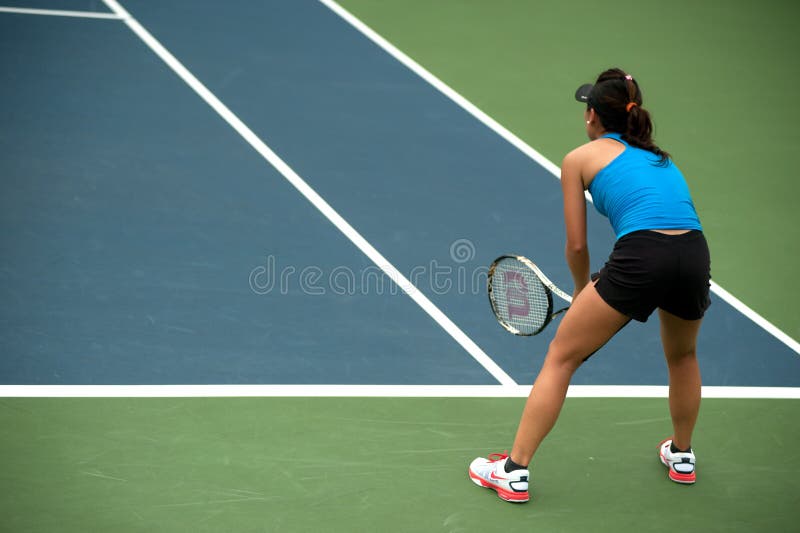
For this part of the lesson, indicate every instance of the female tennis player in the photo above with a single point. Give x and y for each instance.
(660, 261)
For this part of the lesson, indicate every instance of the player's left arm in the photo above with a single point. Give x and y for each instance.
(576, 248)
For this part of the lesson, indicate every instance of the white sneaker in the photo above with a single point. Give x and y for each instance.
(680, 464)
(491, 473)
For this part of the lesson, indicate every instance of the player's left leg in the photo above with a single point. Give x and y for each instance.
(588, 325)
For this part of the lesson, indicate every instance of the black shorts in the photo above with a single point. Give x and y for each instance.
(649, 270)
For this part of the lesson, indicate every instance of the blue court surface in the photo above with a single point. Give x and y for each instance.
(146, 242)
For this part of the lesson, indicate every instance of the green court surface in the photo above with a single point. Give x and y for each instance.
(716, 76)
(346, 464)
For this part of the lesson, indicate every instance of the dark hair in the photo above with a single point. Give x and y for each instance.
(611, 99)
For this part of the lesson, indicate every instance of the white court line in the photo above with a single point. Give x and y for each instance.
(522, 146)
(60, 13)
(373, 391)
(311, 195)
(755, 317)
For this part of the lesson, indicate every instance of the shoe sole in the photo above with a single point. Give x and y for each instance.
(513, 497)
(677, 477)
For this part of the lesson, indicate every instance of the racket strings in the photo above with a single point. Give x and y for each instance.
(520, 299)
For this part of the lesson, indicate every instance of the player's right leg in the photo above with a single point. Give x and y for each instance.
(679, 338)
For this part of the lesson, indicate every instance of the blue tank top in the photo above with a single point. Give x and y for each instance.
(635, 193)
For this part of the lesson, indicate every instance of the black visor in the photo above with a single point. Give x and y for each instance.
(582, 94)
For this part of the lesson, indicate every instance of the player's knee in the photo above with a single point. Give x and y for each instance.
(683, 355)
(564, 355)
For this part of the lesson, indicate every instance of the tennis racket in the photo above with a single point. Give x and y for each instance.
(522, 296)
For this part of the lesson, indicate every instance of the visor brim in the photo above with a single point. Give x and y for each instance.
(582, 94)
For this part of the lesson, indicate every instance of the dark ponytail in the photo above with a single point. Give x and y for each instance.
(617, 100)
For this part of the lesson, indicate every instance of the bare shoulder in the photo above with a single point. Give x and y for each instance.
(579, 154)
(588, 159)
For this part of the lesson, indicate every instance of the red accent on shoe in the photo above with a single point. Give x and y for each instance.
(682, 478)
(507, 495)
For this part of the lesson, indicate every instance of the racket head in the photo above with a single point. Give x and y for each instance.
(520, 301)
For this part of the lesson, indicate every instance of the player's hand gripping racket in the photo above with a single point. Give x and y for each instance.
(522, 296)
